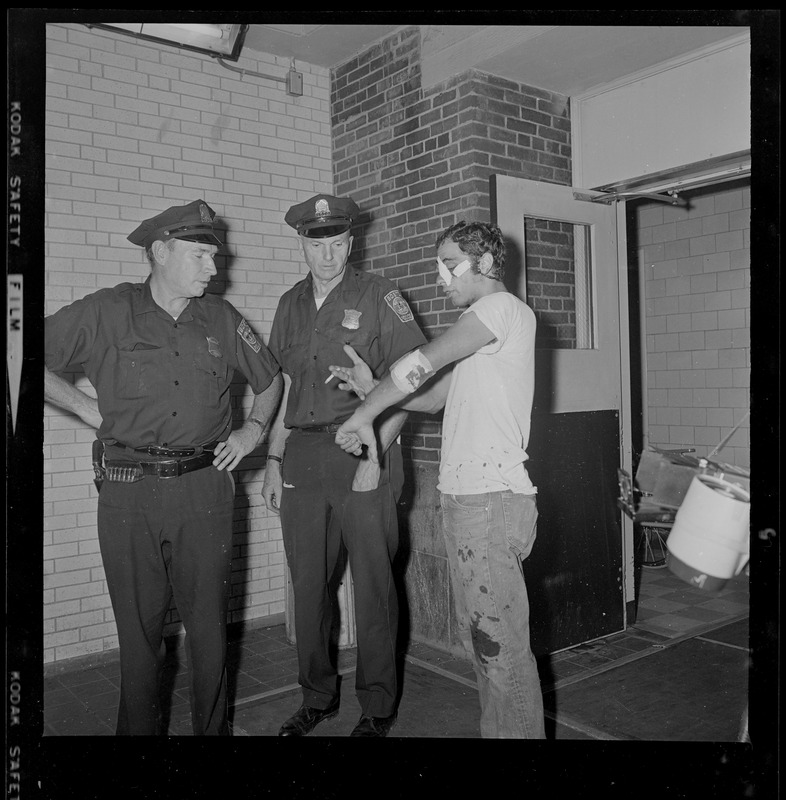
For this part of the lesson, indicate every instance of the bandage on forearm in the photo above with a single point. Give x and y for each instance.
(411, 371)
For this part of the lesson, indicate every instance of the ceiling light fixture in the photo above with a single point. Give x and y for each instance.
(217, 41)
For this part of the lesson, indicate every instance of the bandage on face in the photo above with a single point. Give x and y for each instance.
(447, 275)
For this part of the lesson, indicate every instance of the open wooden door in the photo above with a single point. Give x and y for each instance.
(562, 260)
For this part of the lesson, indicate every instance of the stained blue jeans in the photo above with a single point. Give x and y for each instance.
(488, 536)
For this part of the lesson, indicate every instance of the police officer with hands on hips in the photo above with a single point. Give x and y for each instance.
(324, 495)
(161, 356)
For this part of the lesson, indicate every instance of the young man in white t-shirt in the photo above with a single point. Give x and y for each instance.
(488, 501)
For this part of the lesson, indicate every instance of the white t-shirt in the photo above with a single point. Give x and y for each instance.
(485, 429)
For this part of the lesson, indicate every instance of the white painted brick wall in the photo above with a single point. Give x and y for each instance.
(696, 269)
(132, 129)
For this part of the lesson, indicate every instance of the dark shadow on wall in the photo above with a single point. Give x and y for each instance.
(514, 266)
(544, 358)
(222, 282)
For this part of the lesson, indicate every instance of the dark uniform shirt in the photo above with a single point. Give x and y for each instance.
(366, 311)
(159, 380)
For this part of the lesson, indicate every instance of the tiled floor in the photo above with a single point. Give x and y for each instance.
(669, 607)
(263, 665)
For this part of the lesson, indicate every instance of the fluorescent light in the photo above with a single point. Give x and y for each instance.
(225, 41)
(214, 31)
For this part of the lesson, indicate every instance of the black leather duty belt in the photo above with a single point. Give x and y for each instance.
(132, 471)
(332, 428)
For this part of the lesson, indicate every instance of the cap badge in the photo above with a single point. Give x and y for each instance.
(204, 213)
(351, 319)
(322, 209)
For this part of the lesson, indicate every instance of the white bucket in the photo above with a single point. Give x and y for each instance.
(710, 539)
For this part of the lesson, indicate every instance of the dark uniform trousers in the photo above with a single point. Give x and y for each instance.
(159, 537)
(318, 509)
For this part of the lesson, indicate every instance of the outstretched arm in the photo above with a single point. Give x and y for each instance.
(360, 380)
(464, 338)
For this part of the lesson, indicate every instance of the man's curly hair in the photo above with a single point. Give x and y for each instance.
(475, 239)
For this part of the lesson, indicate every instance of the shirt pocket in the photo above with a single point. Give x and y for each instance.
(212, 377)
(362, 341)
(294, 358)
(139, 372)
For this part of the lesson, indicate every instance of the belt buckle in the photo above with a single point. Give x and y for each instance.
(169, 469)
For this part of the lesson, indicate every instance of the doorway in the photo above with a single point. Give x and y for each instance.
(672, 371)
(689, 277)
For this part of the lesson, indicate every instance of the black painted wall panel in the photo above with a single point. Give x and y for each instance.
(574, 574)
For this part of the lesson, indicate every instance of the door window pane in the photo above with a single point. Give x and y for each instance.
(557, 283)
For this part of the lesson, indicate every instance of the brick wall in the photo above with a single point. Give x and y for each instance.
(551, 282)
(132, 129)
(417, 161)
(696, 272)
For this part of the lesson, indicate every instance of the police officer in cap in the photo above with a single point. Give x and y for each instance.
(324, 496)
(161, 357)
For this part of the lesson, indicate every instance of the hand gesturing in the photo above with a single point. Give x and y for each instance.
(358, 378)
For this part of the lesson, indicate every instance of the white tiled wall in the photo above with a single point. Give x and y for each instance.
(131, 130)
(696, 271)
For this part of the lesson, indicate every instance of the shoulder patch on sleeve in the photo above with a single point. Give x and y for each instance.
(399, 305)
(244, 329)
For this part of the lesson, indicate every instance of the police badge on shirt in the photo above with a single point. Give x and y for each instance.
(351, 319)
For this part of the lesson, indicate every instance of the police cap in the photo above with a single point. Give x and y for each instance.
(322, 215)
(193, 221)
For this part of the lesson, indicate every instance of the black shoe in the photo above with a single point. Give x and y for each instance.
(374, 726)
(306, 718)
